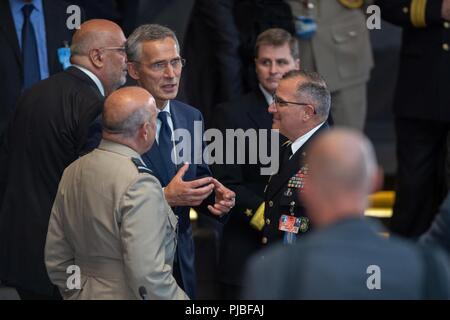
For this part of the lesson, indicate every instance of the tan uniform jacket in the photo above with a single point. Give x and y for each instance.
(111, 219)
(340, 50)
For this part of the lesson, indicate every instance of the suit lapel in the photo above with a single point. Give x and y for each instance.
(8, 29)
(153, 160)
(289, 169)
(258, 113)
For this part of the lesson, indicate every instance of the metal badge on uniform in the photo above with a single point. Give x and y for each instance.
(305, 27)
(288, 192)
(304, 224)
(289, 224)
(64, 55)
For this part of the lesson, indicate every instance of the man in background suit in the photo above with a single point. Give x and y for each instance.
(300, 111)
(47, 19)
(276, 52)
(128, 254)
(154, 62)
(47, 133)
(339, 49)
(421, 110)
(344, 257)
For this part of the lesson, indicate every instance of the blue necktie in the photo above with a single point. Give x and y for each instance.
(31, 71)
(165, 145)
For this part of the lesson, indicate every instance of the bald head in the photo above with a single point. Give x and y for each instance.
(99, 46)
(343, 172)
(344, 159)
(126, 114)
(95, 33)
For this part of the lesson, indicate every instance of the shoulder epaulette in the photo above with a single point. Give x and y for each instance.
(140, 166)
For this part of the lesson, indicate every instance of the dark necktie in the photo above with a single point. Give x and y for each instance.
(31, 72)
(165, 145)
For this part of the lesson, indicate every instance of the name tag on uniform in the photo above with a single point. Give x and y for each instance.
(289, 224)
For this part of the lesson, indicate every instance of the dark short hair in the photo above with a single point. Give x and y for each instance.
(315, 88)
(277, 37)
(144, 33)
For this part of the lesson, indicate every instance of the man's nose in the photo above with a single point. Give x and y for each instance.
(169, 71)
(272, 108)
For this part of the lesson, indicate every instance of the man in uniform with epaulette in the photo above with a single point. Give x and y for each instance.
(300, 111)
(110, 218)
(421, 111)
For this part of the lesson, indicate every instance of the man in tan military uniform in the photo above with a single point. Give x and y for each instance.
(110, 217)
(340, 51)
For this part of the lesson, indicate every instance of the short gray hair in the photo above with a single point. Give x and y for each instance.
(147, 32)
(127, 127)
(315, 88)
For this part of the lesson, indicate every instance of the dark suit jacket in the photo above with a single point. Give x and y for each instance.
(46, 134)
(277, 198)
(212, 72)
(11, 58)
(183, 117)
(332, 263)
(423, 80)
(246, 112)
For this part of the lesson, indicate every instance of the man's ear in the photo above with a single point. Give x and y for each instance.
(309, 112)
(377, 180)
(132, 70)
(96, 58)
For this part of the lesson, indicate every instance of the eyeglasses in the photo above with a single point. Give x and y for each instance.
(160, 66)
(120, 49)
(281, 103)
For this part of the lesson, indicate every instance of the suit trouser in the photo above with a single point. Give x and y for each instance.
(349, 106)
(421, 153)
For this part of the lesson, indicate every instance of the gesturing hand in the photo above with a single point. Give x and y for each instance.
(187, 193)
(225, 199)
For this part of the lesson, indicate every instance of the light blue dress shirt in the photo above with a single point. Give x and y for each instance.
(38, 21)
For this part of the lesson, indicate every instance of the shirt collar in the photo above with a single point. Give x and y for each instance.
(297, 144)
(118, 148)
(94, 78)
(17, 5)
(267, 95)
(167, 108)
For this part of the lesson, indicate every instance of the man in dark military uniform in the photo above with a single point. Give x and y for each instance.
(276, 53)
(421, 108)
(300, 111)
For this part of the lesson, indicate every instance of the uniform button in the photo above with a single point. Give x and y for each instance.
(445, 46)
(267, 221)
(405, 10)
(310, 5)
(264, 240)
(446, 25)
(351, 34)
(292, 203)
(271, 203)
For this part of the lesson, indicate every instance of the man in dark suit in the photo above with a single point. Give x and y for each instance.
(345, 257)
(300, 110)
(48, 20)
(155, 63)
(421, 109)
(47, 133)
(276, 53)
